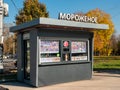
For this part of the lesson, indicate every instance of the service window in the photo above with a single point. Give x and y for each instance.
(55, 51)
(79, 50)
(49, 51)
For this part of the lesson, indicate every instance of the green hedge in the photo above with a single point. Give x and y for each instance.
(106, 57)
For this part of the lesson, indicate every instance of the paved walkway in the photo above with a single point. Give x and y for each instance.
(100, 81)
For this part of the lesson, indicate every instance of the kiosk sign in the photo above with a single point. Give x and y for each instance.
(78, 18)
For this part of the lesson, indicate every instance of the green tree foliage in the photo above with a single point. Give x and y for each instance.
(32, 9)
(102, 37)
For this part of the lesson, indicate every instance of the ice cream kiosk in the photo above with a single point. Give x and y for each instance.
(52, 51)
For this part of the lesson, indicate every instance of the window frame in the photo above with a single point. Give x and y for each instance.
(40, 61)
(60, 46)
(87, 49)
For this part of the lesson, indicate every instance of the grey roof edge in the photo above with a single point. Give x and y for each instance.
(56, 22)
(72, 23)
(25, 25)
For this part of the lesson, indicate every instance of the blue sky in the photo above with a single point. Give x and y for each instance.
(111, 7)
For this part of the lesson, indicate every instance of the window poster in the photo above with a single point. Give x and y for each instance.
(49, 46)
(49, 51)
(77, 58)
(50, 59)
(78, 47)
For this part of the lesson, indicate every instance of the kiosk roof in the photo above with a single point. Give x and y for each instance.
(55, 23)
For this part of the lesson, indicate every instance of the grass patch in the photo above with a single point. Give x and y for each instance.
(112, 62)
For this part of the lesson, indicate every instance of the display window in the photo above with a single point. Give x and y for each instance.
(79, 50)
(79, 47)
(63, 50)
(49, 51)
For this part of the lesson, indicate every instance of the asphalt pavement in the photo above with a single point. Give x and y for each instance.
(100, 81)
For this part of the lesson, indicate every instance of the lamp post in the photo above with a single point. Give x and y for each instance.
(1, 21)
(3, 13)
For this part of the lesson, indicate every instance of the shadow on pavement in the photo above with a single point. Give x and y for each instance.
(108, 76)
(111, 72)
(3, 88)
(17, 84)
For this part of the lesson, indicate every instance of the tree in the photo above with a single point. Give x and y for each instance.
(32, 9)
(8, 40)
(8, 45)
(102, 37)
(118, 45)
(114, 43)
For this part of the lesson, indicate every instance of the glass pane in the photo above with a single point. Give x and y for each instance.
(79, 47)
(49, 51)
(79, 50)
(27, 59)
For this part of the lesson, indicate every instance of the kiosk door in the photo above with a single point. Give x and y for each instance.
(26, 59)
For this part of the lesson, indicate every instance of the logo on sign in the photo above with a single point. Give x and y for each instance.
(66, 44)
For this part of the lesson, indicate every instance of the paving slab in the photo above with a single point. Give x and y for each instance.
(100, 81)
